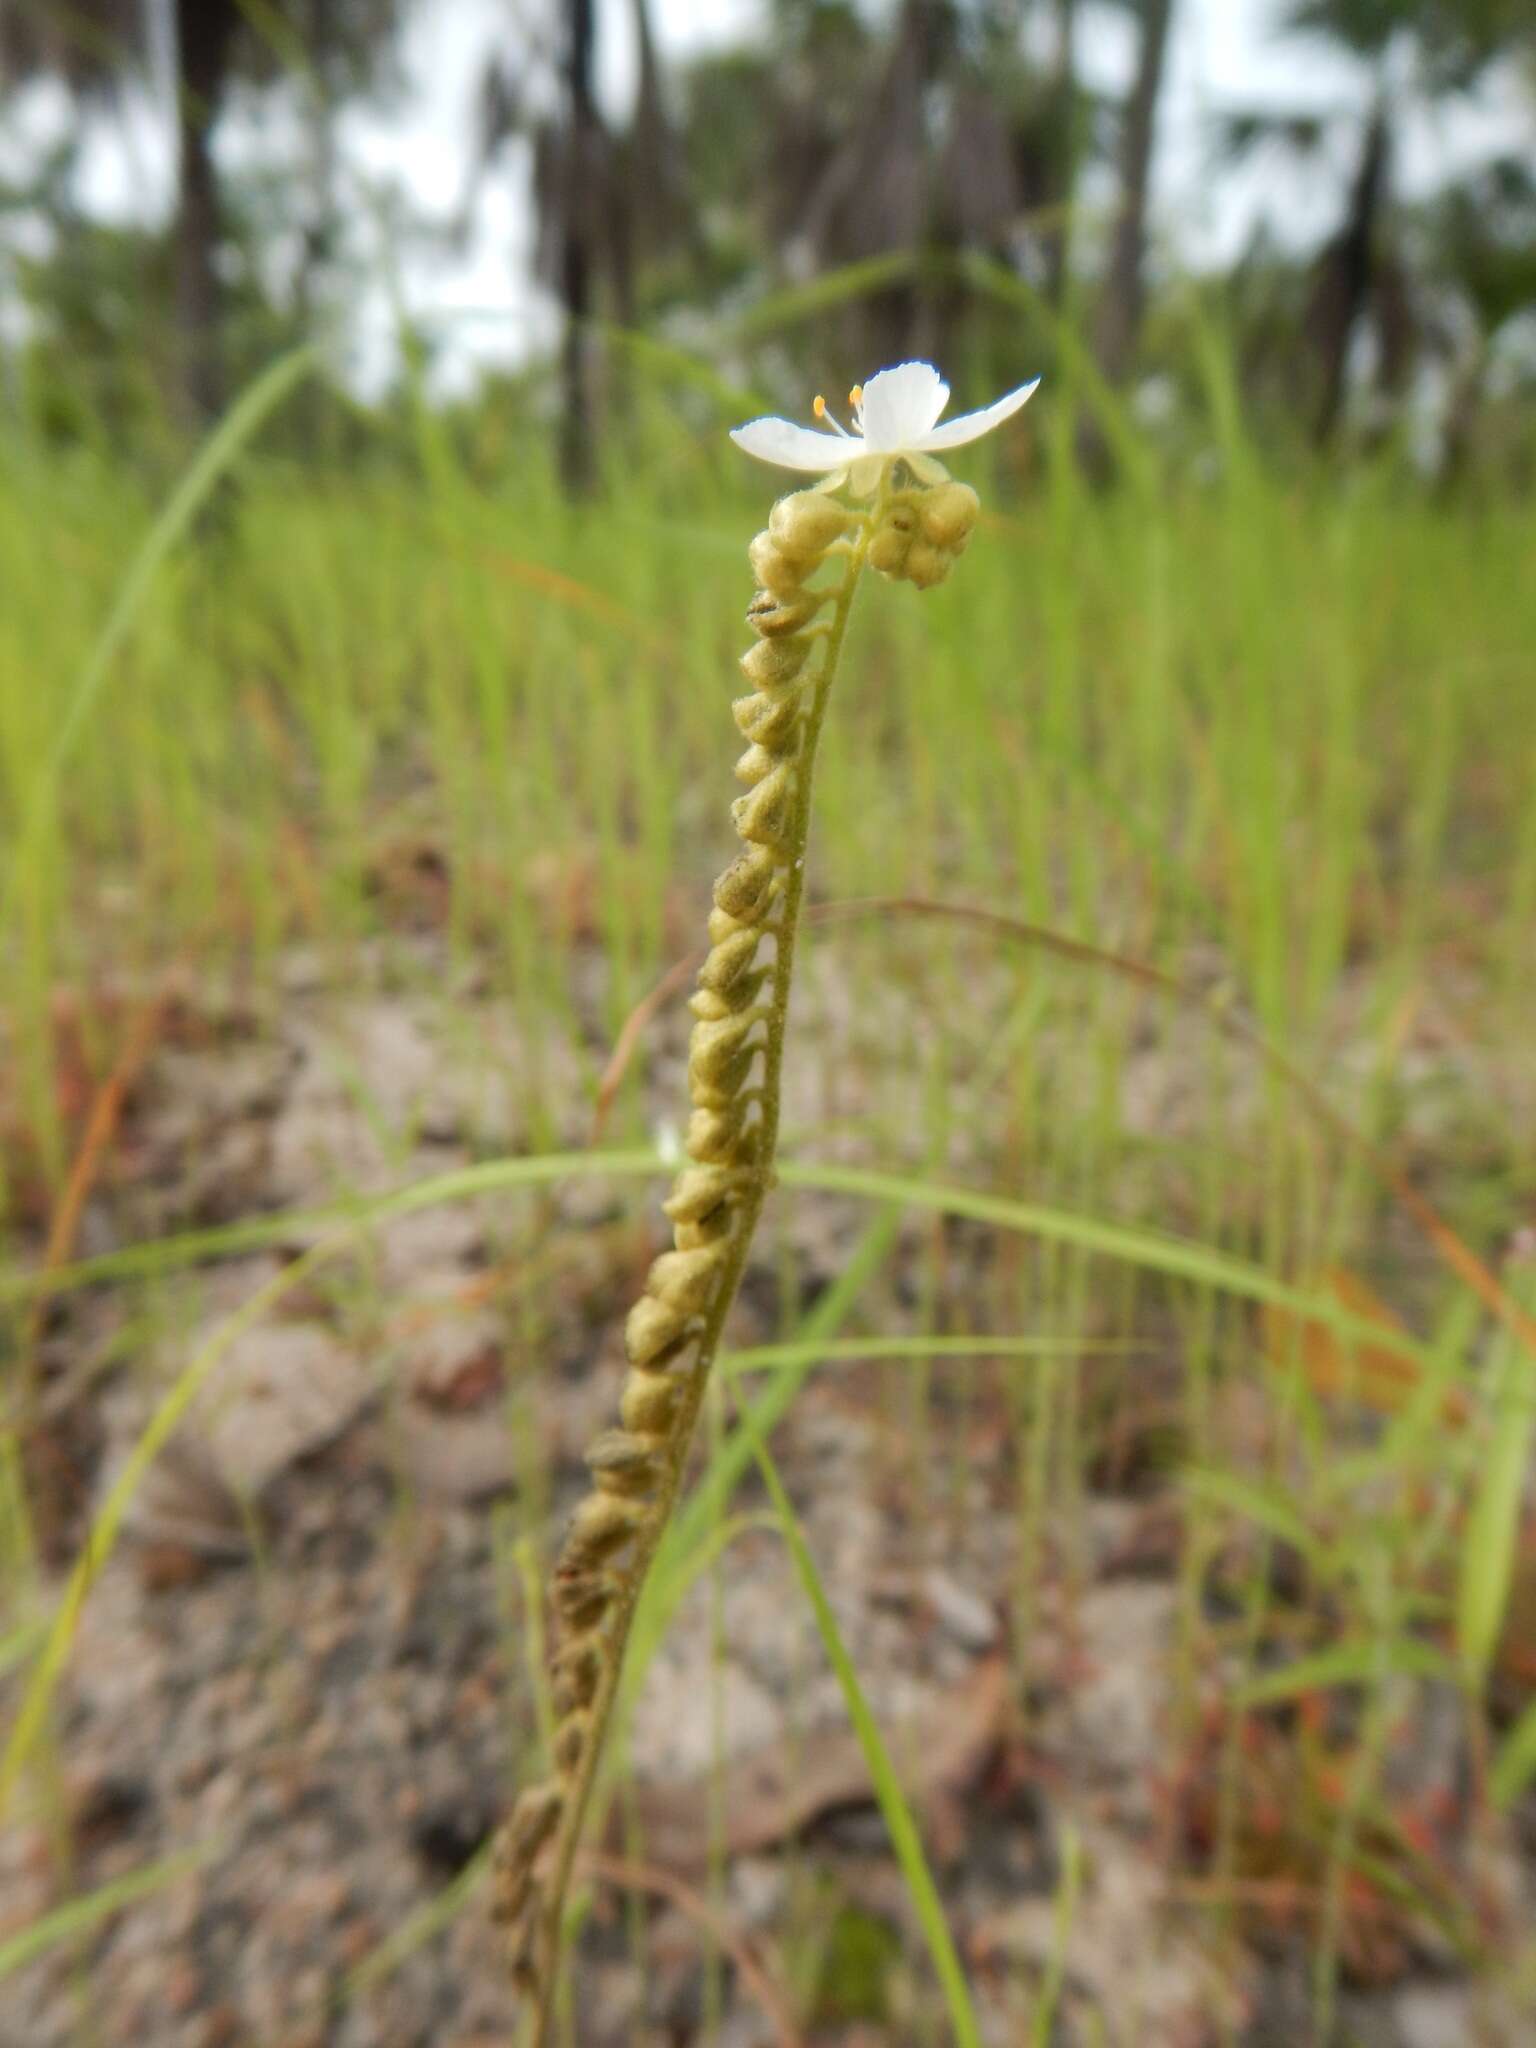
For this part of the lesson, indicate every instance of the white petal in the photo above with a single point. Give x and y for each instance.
(901, 405)
(792, 446)
(972, 425)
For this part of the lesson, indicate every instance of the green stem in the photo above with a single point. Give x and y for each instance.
(759, 1179)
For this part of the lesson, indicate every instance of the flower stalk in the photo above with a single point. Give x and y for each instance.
(674, 1331)
(890, 507)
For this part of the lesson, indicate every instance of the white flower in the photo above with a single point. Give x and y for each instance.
(895, 413)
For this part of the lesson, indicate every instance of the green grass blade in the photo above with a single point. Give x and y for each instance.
(78, 1916)
(1347, 1664)
(1262, 1505)
(709, 1498)
(906, 1839)
(915, 1350)
(1491, 1539)
(1174, 1258)
(1515, 1765)
(211, 462)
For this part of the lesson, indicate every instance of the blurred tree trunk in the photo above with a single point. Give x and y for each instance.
(1058, 244)
(1124, 293)
(1347, 275)
(578, 464)
(205, 32)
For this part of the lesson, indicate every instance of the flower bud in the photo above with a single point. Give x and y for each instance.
(807, 522)
(948, 514)
(926, 565)
(892, 540)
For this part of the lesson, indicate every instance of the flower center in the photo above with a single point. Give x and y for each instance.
(824, 412)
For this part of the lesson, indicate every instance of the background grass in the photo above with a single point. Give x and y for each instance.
(1267, 727)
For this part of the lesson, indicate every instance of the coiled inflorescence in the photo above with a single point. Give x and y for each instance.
(672, 1330)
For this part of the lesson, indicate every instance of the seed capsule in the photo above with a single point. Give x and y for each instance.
(654, 1332)
(716, 1079)
(581, 1596)
(623, 1463)
(686, 1279)
(601, 1527)
(773, 615)
(713, 1006)
(763, 815)
(520, 1966)
(774, 664)
(729, 960)
(700, 1192)
(713, 1135)
(767, 720)
(648, 1405)
(718, 1223)
(578, 1674)
(743, 890)
(534, 1819)
(569, 1745)
(775, 569)
(718, 1054)
(509, 1901)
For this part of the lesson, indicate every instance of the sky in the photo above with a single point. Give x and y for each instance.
(478, 295)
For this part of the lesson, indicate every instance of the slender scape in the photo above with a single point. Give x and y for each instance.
(916, 525)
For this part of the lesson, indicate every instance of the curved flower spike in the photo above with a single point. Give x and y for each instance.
(895, 414)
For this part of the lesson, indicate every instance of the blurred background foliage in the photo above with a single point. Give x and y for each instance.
(893, 147)
(421, 675)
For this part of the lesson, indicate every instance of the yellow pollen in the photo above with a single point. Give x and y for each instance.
(856, 395)
(819, 406)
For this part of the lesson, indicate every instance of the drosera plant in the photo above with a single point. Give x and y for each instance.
(883, 502)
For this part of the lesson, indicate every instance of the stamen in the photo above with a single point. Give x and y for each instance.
(824, 412)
